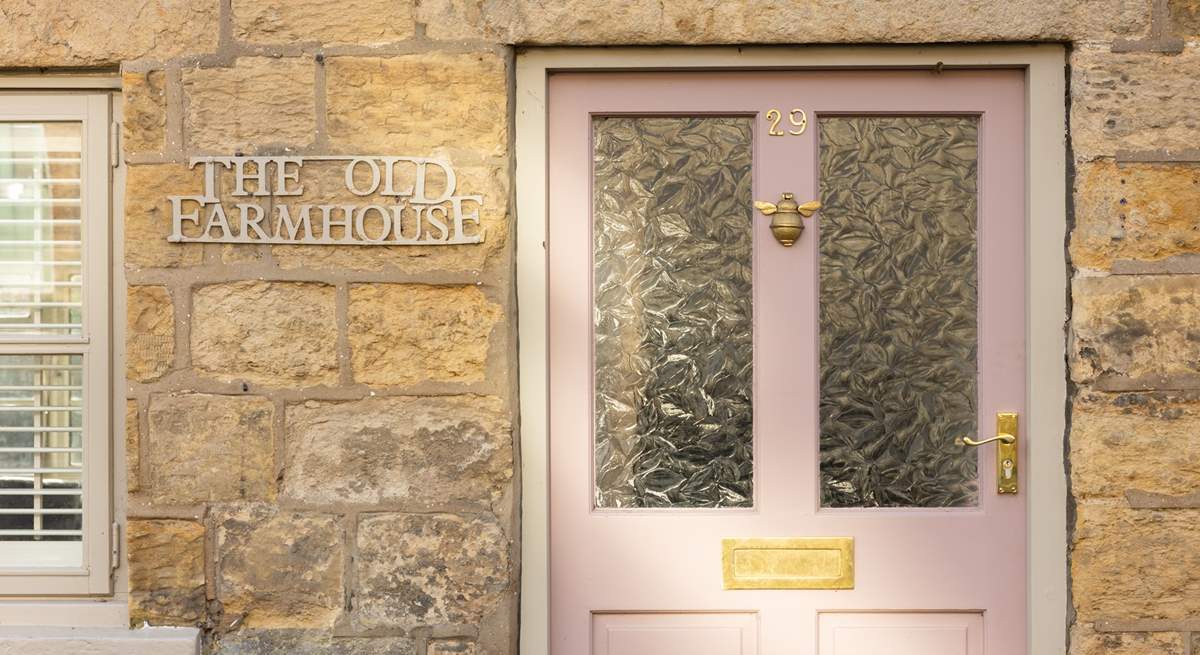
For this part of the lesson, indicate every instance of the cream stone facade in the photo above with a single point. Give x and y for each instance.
(320, 440)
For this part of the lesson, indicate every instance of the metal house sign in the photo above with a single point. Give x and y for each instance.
(367, 200)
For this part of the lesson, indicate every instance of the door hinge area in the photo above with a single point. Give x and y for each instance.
(114, 559)
(114, 144)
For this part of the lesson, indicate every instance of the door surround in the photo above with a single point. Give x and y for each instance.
(1046, 287)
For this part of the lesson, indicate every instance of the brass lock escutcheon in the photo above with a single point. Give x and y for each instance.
(785, 215)
(1007, 443)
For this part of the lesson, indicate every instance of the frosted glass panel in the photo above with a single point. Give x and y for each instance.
(672, 316)
(898, 298)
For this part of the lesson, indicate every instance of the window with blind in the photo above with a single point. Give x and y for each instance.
(54, 343)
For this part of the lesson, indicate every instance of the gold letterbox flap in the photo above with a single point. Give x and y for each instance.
(789, 563)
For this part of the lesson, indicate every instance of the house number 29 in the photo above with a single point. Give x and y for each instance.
(796, 117)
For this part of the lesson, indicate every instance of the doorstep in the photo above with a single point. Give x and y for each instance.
(37, 640)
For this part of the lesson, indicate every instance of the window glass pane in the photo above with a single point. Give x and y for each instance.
(672, 316)
(41, 460)
(40, 229)
(898, 311)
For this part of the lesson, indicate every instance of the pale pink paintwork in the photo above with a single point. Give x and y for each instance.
(916, 566)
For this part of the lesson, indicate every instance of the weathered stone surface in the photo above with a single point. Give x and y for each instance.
(450, 647)
(1133, 101)
(402, 334)
(428, 569)
(309, 642)
(489, 180)
(144, 117)
(1136, 332)
(349, 22)
(1086, 641)
(133, 439)
(1185, 17)
(422, 452)
(205, 447)
(148, 215)
(166, 571)
(273, 333)
(1134, 212)
(1130, 563)
(150, 333)
(449, 105)
(765, 21)
(61, 33)
(1143, 441)
(469, 19)
(280, 569)
(261, 102)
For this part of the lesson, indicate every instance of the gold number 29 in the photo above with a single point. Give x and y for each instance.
(797, 117)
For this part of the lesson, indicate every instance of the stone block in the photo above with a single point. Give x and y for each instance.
(64, 34)
(1134, 101)
(450, 647)
(259, 103)
(1086, 641)
(432, 104)
(166, 571)
(149, 333)
(280, 569)
(1135, 564)
(423, 453)
(148, 215)
(348, 22)
(1185, 17)
(144, 118)
(403, 334)
(428, 569)
(308, 642)
(210, 448)
(133, 439)
(1136, 332)
(1143, 441)
(1139, 212)
(272, 333)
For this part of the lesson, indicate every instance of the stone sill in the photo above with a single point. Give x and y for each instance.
(38, 640)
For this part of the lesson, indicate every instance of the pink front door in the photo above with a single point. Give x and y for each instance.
(757, 448)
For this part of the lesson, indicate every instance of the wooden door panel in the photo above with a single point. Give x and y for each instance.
(652, 633)
(912, 633)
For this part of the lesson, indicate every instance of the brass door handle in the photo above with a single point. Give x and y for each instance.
(1006, 451)
(1002, 438)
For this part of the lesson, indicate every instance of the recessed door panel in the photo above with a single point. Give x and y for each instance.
(674, 634)
(917, 633)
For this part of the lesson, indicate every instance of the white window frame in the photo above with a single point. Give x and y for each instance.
(1045, 294)
(94, 110)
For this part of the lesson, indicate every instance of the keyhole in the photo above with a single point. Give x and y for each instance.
(1007, 465)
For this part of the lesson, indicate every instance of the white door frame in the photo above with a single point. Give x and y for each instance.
(1046, 288)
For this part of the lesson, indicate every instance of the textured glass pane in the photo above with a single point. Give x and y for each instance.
(673, 299)
(897, 311)
(41, 460)
(40, 225)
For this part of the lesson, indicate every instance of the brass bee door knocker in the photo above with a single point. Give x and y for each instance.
(785, 222)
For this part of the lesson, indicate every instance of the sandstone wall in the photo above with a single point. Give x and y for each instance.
(320, 439)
